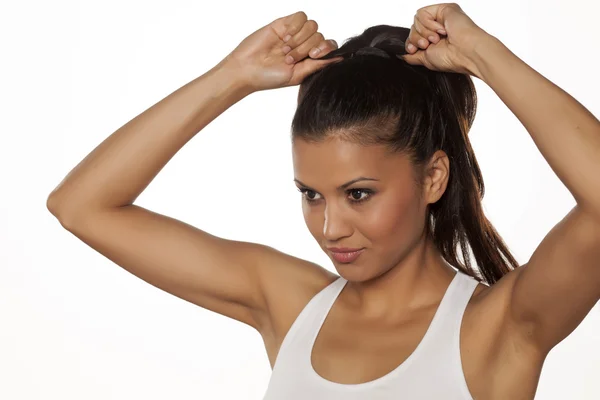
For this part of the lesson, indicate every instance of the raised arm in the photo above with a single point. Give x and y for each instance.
(95, 200)
(122, 166)
(555, 290)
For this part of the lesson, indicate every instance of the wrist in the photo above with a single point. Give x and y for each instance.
(479, 56)
(231, 73)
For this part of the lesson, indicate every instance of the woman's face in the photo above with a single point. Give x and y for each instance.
(384, 216)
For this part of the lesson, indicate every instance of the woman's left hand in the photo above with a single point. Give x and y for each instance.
(443, 38)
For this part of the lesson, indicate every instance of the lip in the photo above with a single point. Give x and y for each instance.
(342, 249)
(346, 256)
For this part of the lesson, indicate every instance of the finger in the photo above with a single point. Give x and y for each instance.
(316, 42)
(308, 66)
(315, 47)
(423, 41)
(306, 31)
(432, 37)
(300, 52)
(427, 17)
(325, 47)
(414, 59)
(293, 23)
(412, 42)
(410, 48)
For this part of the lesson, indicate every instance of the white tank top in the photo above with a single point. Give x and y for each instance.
(432, 371)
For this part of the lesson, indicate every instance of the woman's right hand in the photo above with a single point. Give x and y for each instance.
(260, 59)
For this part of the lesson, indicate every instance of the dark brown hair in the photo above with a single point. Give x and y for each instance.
(374, 97)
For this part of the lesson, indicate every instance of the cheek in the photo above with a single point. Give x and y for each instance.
(394, 221)
(312, 221)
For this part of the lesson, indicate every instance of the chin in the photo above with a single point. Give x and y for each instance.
(354, 272)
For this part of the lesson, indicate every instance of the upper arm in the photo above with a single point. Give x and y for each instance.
(560, 284)
(224, 276)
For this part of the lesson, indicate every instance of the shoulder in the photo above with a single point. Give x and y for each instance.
(287, 285)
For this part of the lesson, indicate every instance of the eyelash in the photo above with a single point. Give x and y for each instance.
(369, 193)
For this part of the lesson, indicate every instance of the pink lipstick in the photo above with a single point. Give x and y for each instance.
(345, 255)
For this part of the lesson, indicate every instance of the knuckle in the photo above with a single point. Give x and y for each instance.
(292, 29)
(312, 24)
(303, 15)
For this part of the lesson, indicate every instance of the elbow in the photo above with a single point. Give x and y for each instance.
(69, 211)
(58, 209)
(51, 205)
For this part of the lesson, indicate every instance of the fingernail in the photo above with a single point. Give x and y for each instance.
(410, 47)
(289, 59)
(287, 37)
(286, 49)
(314, 52)
(441, 31)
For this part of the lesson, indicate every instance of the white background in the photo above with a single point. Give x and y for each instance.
(74, 325)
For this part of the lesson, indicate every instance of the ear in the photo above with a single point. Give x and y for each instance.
(436, 175)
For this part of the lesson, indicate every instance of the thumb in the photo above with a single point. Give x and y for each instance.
(307, 66)
(414, 59)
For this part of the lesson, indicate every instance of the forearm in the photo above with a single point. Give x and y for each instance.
(565, 132)
(124, 164)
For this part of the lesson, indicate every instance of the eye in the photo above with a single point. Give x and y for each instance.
(359, 198)
(357, 195)
(306, 192)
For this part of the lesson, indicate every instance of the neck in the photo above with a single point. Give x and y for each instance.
(418, 281)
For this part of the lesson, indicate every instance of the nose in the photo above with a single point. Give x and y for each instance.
(335, 225)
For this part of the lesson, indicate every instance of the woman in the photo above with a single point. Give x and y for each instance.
(391, 188)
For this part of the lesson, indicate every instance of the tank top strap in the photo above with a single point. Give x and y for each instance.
(441, 336)
(436, 358)
(307, 324)
(463, 292)
(448, 316)
(442, 340)
(457, 299)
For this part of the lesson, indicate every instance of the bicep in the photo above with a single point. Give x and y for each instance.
(560, 284)
(214, 273)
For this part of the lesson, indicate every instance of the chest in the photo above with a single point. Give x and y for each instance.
(345, 351)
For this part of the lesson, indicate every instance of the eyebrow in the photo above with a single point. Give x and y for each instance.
(345, 185)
